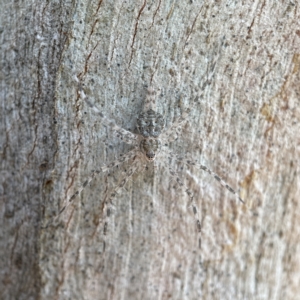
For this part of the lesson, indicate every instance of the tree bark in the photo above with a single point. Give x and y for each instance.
(235, 65)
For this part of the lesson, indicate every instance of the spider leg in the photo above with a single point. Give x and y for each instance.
(125, 135)
(172, 133)
(190, 162)
(192, 200)
(126, 176)
(124, 157)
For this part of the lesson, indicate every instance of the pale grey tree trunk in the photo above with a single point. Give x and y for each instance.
(235, 64)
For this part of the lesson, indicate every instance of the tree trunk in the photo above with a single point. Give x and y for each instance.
(235, 66)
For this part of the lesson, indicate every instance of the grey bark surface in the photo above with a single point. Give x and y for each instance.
(235, 64)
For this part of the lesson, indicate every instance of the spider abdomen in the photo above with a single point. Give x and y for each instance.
(150, 124)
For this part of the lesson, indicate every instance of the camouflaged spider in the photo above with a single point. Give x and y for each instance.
(147, 145)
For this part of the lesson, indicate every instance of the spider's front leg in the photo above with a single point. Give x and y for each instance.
(192, 200)
(127, 174)
(125, 157)
(190, 162)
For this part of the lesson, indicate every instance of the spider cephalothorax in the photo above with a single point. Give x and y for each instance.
(150, 147)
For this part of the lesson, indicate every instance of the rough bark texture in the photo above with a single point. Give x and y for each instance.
(235, 64)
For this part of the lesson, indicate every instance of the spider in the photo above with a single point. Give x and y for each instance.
(150, 141)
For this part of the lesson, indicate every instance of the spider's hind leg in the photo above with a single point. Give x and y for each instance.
(172, 133)
(123, 134)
